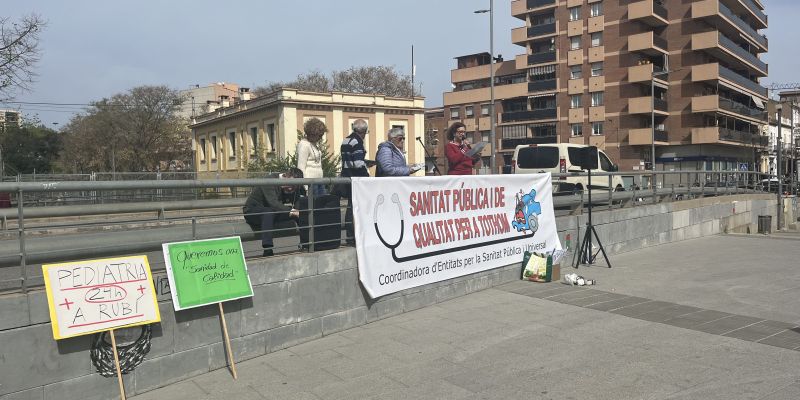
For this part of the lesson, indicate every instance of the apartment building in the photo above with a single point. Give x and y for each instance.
(226, 139)
(200, 100)
(606, 72)
(470, 100)
(784, 122)
(10, 118)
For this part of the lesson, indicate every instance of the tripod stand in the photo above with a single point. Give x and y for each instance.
(584, 254)
(428, 156)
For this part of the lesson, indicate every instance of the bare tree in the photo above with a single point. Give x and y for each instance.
(365, 79)
(134, 131)
(19, 52)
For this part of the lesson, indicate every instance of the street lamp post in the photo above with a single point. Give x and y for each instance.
(779, 161)
(492, 115)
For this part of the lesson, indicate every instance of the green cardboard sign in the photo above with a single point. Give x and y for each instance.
(204, 272)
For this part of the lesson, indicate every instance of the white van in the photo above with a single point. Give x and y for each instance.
(561, 158)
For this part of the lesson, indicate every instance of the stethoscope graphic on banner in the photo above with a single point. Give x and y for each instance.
(396, 200)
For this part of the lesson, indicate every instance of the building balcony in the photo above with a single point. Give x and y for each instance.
(644, 72)
(649, 12)
(542, 58)
(519, 8)
(648, 43)
(715, 103)
(541, 86)
(716, 72)
(751, 8)
(520, 36)
(541, 30)
(718, 135)
(473, 96)
(643, 105)
(720, 46)
(721, 17)
(532, 115)
(645, 136)
(512, 143)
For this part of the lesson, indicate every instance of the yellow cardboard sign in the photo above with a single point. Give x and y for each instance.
(97, 295)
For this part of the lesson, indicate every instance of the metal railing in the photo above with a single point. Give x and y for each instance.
(35, 235)
(754, 8)
(742, 53)
(544, 29)
(539, 58)
(739, 108)
(540, 3)
(741, 80)
(532, 115)
(759, 38)
(659, 42)
(659, 9)
(538, 86)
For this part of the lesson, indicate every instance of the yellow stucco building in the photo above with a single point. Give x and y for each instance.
(224, 139)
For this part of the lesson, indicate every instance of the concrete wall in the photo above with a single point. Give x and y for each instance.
(304, 297)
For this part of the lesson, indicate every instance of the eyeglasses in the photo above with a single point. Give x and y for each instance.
(400, 138)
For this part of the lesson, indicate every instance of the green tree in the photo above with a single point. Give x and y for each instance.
(264, 163)
(30, 148)
(139, 130)
(384, 80)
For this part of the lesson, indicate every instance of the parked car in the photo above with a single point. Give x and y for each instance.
(561, 158)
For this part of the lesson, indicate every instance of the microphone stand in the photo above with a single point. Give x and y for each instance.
(429, 156)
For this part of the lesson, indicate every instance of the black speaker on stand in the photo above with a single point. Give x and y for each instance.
(588, 159)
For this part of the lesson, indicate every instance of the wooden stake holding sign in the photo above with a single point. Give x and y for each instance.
(204, 272)
(93, 296)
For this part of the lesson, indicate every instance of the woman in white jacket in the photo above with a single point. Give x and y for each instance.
(309, 156)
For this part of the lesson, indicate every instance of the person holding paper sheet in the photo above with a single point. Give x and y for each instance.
(265, 207)
(456, 151)
(390, 157)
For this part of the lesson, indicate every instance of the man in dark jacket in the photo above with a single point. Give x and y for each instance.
(265, 207)
(354, 163)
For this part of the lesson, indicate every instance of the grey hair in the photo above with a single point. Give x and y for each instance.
(396, 132)
(360, 126)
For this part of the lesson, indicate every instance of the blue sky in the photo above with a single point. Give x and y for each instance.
(94, 49)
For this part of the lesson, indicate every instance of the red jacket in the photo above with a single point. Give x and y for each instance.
(458, 163)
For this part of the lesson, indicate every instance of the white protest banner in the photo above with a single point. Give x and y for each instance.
(412, 231)
(98, 295)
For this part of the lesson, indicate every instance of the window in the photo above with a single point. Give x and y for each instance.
(468, 111)
(454, 113)
(576, 129)
(232, 145)
(597, 128)
(575, 13)
(574, 42)
(596, 9)
(597, 39)
(484, 109)
(575, 72)
(597, 68)
(544, 73)
(597, 99)
(485, 136)
(605, 163)
(201, 152)
(253, 141)
(575, 101)
(213, 148)
(271, 136)
(546, 102)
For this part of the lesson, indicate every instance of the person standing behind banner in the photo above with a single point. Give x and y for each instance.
(458, 162)
(309, 156)
(390, 157)
(354, 163)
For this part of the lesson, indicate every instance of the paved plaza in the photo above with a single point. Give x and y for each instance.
(711, 318)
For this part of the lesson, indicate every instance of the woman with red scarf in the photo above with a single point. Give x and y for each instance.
(458, 162)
